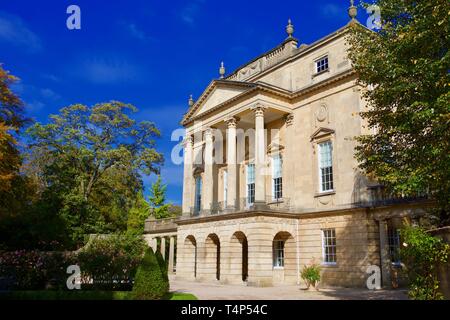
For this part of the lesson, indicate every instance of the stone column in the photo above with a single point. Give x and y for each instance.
(288, 159)
(231, 163)
(260, 156)
(187, 178)
(208, 173)
(154, 244)
(171, 253)
(384, 255)
(163, 247)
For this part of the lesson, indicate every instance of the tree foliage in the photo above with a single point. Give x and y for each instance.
(159, 207)
(422, 255)
(138, 214)
(405, 66)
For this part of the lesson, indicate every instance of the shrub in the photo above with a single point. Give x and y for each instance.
(34, 270)
(110, 262)
(422, 254)
(311, 275)
(162, 265)
(150, 282)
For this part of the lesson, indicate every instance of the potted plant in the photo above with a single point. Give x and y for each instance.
(311, 276)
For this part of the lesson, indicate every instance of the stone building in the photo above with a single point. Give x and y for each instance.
(270, 179)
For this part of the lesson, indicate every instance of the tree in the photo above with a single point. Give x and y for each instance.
(94, 158)
(138, 214)
(405, 66)
(11, 118)
(157, 199)
(422, 254)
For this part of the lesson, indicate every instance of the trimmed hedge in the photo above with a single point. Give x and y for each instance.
(151, 283)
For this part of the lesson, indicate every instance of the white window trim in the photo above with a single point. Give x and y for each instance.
(276, 250)
(325, 263)
(273, 173)
(319, 172)
(247, 204)
(225, 187)
(316, 61)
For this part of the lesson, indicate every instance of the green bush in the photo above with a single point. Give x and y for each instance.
(34, 270)
(150, 282)
(110, 262)
(162, 265)
(422, 254)
(311, 274)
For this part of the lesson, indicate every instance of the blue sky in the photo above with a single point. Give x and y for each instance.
(152, 54)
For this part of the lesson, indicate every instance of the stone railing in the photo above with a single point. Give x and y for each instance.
(271, 58)
(153, 225)
(379, 196)
(242, 204)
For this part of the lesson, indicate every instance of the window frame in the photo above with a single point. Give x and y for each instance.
(277, 258)
(393, 237)
(198, 195)
(225, 187)
(319, 60)
(326, 245)
(250, 186)
(277, 181)
(319, 167)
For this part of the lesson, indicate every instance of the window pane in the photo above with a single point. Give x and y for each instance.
(326, 166)
(329, 245)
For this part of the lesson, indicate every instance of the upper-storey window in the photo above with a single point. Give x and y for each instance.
(250, 183)
(198, 195)
(277, 178)
(326, 166)
(225, 187)
(322, 64)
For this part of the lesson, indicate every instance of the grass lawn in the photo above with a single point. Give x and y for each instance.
(83, 295)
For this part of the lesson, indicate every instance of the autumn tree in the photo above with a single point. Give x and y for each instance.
(405, 66)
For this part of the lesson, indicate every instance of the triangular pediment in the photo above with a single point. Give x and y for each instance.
(321, 132)
(218, 92)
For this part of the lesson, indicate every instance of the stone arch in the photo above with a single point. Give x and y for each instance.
(239, 256)
(212, 257)
(190, 254)
(284, 258)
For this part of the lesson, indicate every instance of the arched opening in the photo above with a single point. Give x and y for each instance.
(190, 254)
(284, 258)
(239, 255)
(212, 257)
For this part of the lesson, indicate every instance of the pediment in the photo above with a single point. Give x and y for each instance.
(321, 132)
(218, 92)
(274, 148)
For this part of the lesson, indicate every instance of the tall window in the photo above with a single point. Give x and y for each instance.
(278, 253)
(326, 166)
(277, 180)
(225, 188)
(198, 195)
(329, 246)
(250, 183)
(394, 245)
(322, 64)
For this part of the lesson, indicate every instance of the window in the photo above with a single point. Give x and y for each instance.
(225, 188)
(198, 195)
(278, 253)
(250, 184)
(277, 180)
(394, 245)
(329, 246)
(326, 166)
(322, 64)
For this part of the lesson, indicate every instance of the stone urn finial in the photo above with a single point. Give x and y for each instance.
(290, 29)
(222, 70)
(352, 10)
(191, 101)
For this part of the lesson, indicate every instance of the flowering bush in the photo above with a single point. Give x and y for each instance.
(110, 262)
(33, 270)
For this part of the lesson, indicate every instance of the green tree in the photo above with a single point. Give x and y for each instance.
(138, 214)
(405, 66)
(94, 158)
(159, 208)
(422, 255)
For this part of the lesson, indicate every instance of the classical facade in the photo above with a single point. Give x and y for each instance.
(270, 180)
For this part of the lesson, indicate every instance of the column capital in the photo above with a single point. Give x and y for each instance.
(289, 118)
(188, 141)
(208, 133)
(232, 121)
(259, 109)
